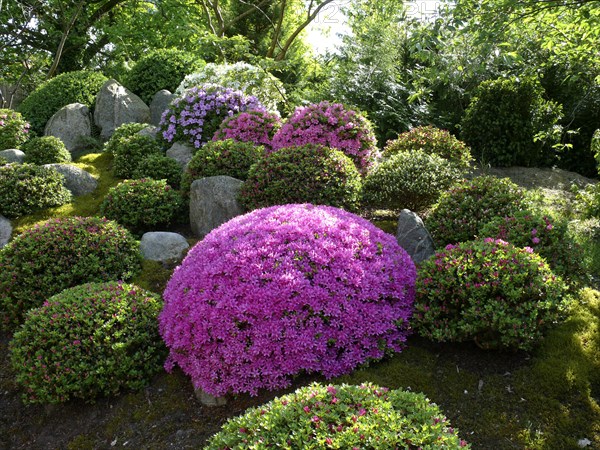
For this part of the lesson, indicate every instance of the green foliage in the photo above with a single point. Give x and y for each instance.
(509, 123)
(62, 253)
(228, 157)
(468, 205)
(431, 140)
(3, 161)
(159, 167)
(14, 130)
(25, 188)
(306, 174)
(88, 341)
(341, 417)
(589, 198)
(46, 150)
(595, 147)
(142, 205)
(130, 151)
(161, 69)
(409, 179)
(50, 96)
(123, 131)
(489, 291)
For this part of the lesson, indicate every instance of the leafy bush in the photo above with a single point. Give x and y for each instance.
(88, 341)
(160, 69)
(25, 188)
(3, 161)
(589, 198)
(509, 123)
(142, 205)
(59, 254)
(14, 130)
(196, 115)
(282, 290)
(333, 125)
(432, 141)
(227, 157)
(126, 130)
(595, 147)
(46, 150)
(62, 90)
(469, 205)
(306, 174)
(489, 291)
(409, 179)
(251, 80)
(130, 151)
(159, 167)
(342, 417)
(257, 127)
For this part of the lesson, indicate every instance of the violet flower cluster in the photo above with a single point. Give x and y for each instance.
(332, 125)
(196, 115)
(257, 127)
(282, 290)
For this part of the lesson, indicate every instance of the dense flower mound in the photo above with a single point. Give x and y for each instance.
(257, 127)
(489, 291)
(282, 290)
(14, 130)
(59, 254)
(88, 341)
(342, 417)
(332, 125)
(196, 115)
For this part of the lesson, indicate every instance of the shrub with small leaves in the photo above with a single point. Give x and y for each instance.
(88, 341)
(159, 167)
(257, 127)
(409, 179)
(129, 153)
(306, 174)
(59, 254)
(595, 147)
(126, 130)
(26, 188)
(46, 150)
(342, 417)
(142, 205)
(14, 130)
(489, 291)
(470, 204)
(3, 161)
(589, 198)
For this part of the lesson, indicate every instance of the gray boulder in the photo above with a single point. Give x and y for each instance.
(151, 131)
(77, 180)
(414, 237)
(159, 103)
(116, 105)
(5, 231)
(213, 201)
(70, 124)
(12, 155)
(182, 153)
(163, 246)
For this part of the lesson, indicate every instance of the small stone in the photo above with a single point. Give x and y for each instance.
(163, 246)
(77, 180)
(71, 124)
(12, 155)
(182, 153)
(159, 103)
(5, 231)
(150, 131)
(413, 237)
(209, 400)
(583, 443)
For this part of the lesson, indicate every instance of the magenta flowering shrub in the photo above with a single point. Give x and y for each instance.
(282, 290)
(196, 115)
(331, 125)
(257, 127)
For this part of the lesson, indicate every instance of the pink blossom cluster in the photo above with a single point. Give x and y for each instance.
(282, 290)
(332, 125)
(257, 127)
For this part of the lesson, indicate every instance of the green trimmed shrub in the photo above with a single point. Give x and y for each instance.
(62, 90)
(509, 123)
(14, 130)
(469, 204)
(226, 157)
(161, 69)
(62, 253)
(341, 417)
(46, 150)
(433, 141)
(26, 188)
(489, 291)
(142, 205)
(306, 174)
(88, 341)
(123, 131)
(409, 179)
(129, 153)
(159, 167)
(3, 161)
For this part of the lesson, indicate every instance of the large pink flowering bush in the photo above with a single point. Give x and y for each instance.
(282, 290)
(257, 127)
(332, 125)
